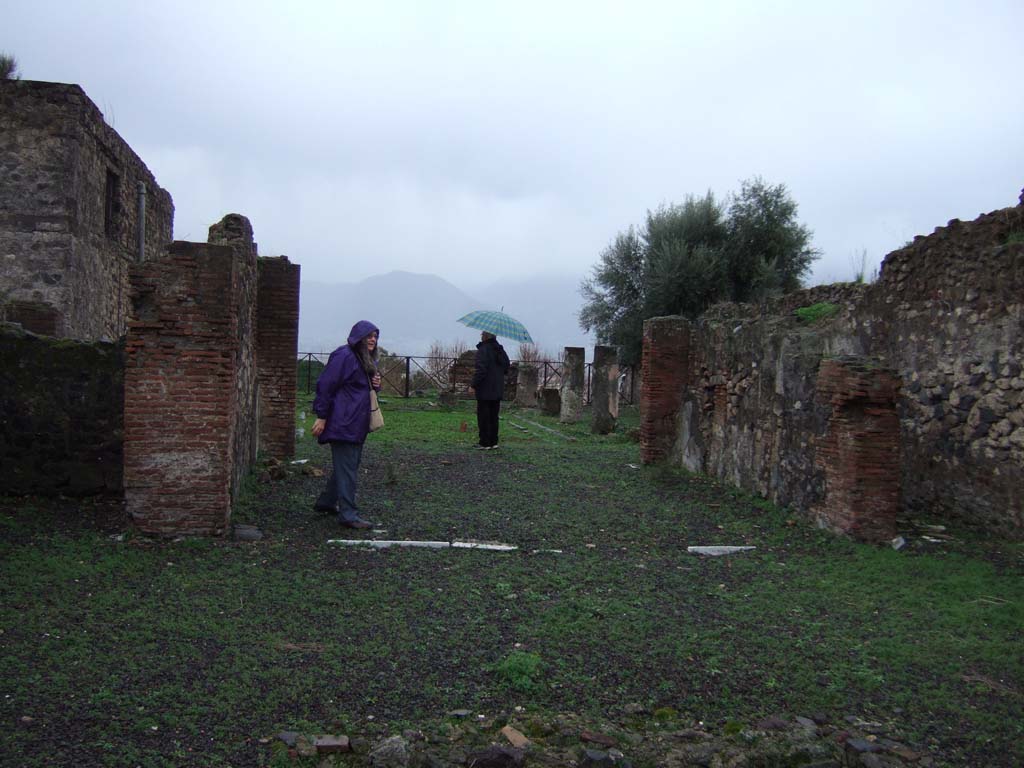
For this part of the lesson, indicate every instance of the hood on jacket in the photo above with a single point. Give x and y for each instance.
(361, 330)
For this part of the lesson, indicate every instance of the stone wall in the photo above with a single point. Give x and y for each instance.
(60, 415)
(736, 394)
(948, 314)
(277, 339)
(68, 213)
(181, 391)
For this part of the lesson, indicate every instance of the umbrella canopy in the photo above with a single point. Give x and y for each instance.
(497, 323)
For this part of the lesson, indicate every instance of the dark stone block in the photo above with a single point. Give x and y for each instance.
(497, 756)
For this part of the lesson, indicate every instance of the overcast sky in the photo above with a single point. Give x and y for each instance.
(481, 140)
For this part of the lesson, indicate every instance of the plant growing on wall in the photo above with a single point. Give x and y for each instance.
(815, 312)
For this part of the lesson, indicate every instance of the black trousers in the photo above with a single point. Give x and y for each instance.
(487, 421)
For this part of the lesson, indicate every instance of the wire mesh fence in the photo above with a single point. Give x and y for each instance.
(411, 375)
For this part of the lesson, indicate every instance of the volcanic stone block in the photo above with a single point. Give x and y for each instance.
(572, 385)
(604, 380)
(551, 401)
(526, 389)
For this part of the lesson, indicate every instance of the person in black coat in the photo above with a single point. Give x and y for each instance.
(489, 385)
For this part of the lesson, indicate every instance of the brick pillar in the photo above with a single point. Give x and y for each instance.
(181, 391)
(573, 382)
(604, 389)
(859, 453)
(526, 391)
(234, 230)
(665, 376)
(277, 349)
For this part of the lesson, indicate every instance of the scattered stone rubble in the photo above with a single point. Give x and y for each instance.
(635, 737)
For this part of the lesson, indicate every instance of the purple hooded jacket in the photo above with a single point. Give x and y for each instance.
(343, 391)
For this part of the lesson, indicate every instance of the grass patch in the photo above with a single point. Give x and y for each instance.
(816, 312)
(187, 653)
(1015, 237)
(520, 670)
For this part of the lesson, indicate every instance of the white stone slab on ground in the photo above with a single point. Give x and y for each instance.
(385, 543)
(716, 551)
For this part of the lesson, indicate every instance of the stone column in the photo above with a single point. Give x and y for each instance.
(550, 401)
(526, 390)
(573, 395)
(604, 392)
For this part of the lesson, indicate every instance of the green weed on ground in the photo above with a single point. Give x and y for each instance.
(140, 652)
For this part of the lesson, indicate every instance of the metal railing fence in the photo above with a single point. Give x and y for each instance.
(407, 375)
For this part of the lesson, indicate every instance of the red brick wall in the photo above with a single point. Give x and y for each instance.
(36, 317)
(180, 390)
(666, 374)
(859, 452)
(277, 334)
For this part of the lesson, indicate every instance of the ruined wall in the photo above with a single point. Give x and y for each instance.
(666, 375)
(68, 212)
(61, 405)
(181, 391)
(945, 321)
(277, 340)
(235, 231)
(858, 453)
(948, 314)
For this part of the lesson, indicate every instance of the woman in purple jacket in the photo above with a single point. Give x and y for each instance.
(342, 406)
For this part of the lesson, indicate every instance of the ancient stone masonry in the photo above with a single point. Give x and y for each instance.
(182, 391)
(666, 374)
(61, 414)
(741, 393)
(605, 390)
(210, 377)
(573, 382)
(277, 339)
(526, 390)
(860, 449)
(951, 308)
(235, 231)
(207, 375)
(69, 225)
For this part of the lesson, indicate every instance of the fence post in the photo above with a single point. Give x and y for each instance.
(309, 373)
(407, 358)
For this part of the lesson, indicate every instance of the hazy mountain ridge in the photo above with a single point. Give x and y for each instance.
(413, 310)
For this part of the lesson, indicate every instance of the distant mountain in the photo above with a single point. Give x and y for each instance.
(413, 310)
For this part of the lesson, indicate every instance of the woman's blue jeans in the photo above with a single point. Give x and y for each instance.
(341, 485)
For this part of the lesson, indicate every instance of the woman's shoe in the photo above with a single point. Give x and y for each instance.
(318, 507)
(358, 523)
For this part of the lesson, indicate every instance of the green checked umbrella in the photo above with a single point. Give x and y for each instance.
(497, 323)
